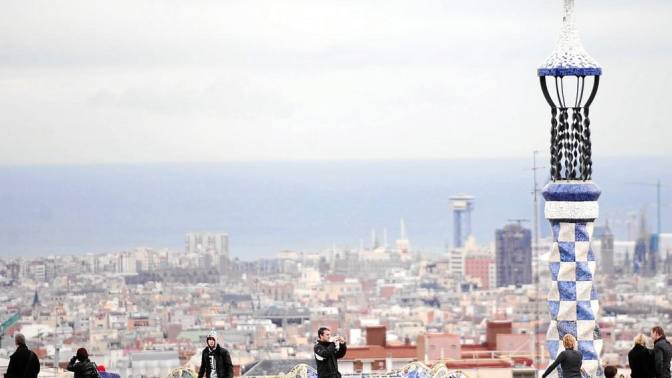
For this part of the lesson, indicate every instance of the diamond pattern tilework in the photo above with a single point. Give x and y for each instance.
(583, 271)
(572, 300)
(567, 271)
(584, 290)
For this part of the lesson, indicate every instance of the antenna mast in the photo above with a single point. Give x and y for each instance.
(536, 202)
(658, 185)
(535, 250)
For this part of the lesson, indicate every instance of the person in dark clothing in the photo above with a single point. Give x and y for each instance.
(570, 360)
(215, 360)
(662, 350)
(640, 359)
(327, 353)
(23, 363)
(82, 366)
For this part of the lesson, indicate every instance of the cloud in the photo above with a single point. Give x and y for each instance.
(259, 80)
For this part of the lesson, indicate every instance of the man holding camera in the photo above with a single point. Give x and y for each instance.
(327, 352)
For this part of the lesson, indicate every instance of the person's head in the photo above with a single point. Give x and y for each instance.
(657, 332)
(212, 339)
(640, 340)
(101, 368)
(82, 354)
(19, 339)
(568, 341)
(323, 334)
(610, 371)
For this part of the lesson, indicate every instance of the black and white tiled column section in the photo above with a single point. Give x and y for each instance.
(571, 208)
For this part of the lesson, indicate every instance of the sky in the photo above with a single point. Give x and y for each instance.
(87, 82)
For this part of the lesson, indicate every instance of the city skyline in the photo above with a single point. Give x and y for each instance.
(147, 302)
(269, 207)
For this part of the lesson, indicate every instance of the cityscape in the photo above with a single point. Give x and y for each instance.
(477, 307)
(295, 189)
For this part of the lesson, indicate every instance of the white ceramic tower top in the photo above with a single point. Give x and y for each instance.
(569, 58)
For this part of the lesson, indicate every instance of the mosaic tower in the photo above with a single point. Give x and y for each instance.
(569, 80)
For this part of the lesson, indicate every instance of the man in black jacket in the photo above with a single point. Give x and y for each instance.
(82, 366)
(662, 351)
(23, 363)
(327, 353)
(215, 360)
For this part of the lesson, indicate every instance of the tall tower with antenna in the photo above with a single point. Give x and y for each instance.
(462, 205)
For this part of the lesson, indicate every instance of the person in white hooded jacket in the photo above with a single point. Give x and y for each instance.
(215, 360)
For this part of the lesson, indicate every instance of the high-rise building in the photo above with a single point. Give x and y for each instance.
(602, 244)
(513, 249)
(644, 257)
(607, 251)
(217, 242)
(462, 205)
(214, 246)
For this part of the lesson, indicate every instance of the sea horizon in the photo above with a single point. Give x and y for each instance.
(307, 206)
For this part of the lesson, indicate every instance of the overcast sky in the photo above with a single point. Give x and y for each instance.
(180, 81)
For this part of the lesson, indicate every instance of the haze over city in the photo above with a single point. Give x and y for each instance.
(294, 81)
(256, 171)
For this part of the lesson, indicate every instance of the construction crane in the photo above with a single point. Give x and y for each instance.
(623, 220)
(658, 185)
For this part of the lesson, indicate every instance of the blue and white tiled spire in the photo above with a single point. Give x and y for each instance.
(571, 197)
(571, 208)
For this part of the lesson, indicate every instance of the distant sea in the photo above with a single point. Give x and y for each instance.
(268, 207)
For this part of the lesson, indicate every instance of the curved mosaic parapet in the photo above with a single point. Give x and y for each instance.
(572, 299)
(420, 370)
(182, 372)
(412, 370)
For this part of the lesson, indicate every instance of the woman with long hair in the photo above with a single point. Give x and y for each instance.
(570, 360)
(641, 359)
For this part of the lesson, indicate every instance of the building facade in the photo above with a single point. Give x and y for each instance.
(513, 248)
(217, 242)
